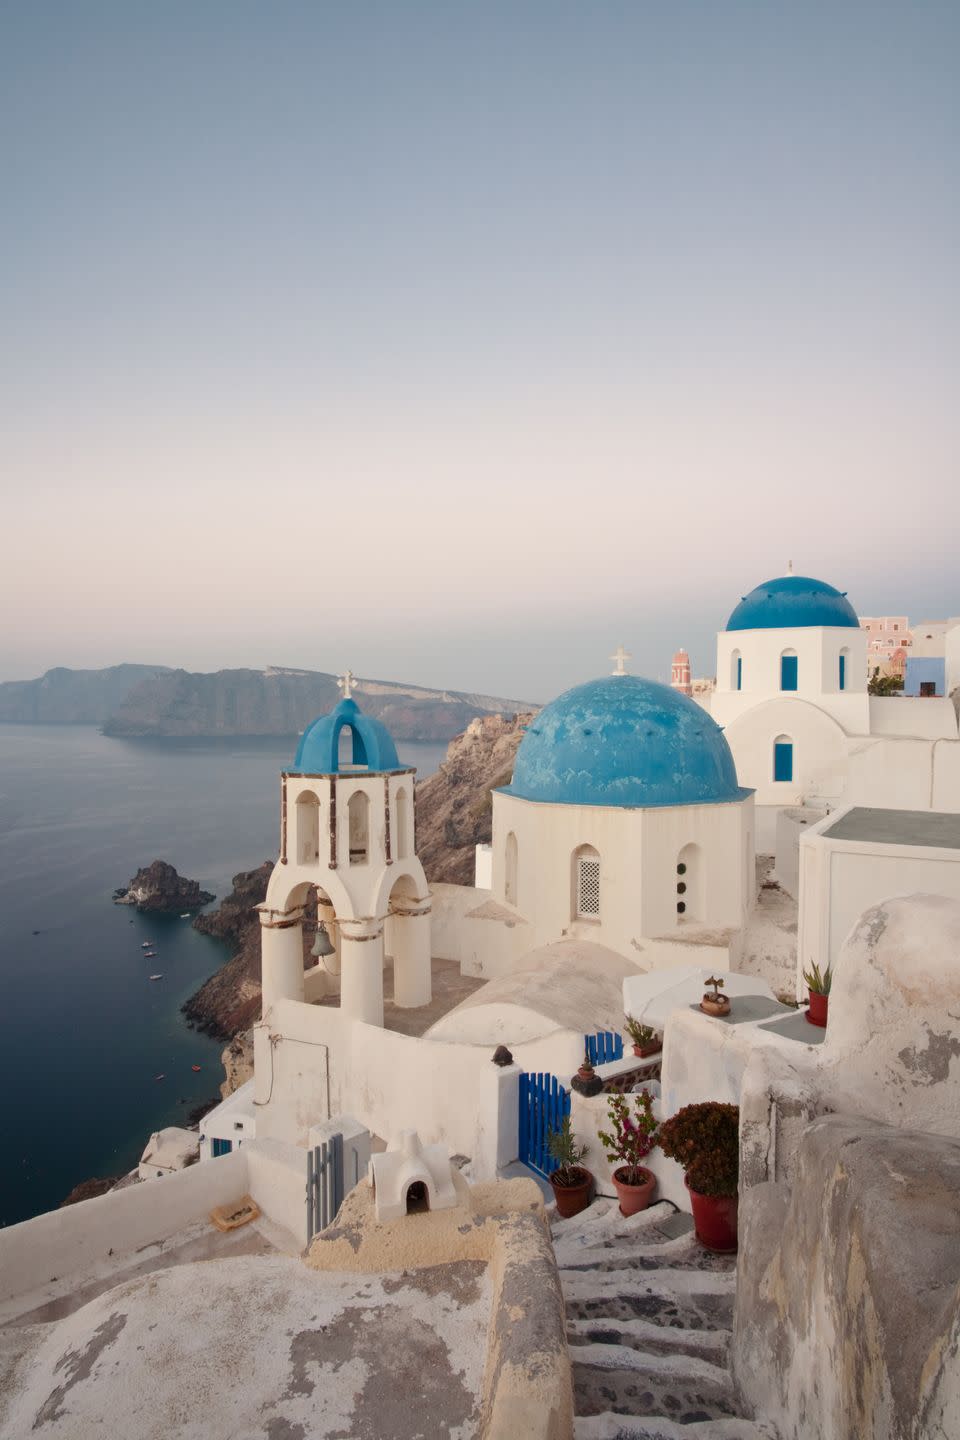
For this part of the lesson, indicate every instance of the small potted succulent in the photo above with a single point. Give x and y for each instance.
(715, 1003)
(571, 1183)
(705, 1140)
(819, 986)
(629, 1141)
(645, 1039)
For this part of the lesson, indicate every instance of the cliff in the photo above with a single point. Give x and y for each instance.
(284, 702)
(152, 700)
(454, 806)
(230, 1000)
(158, 889)
(71, 697)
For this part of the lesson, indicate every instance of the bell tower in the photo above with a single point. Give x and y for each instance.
(347, 834)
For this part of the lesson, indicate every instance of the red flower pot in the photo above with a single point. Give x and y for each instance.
(633, 1198)
(642, 1051)
(714, 1219)
(571, 1199)
(817, 1014)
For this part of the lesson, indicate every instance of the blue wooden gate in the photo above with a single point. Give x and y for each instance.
(603, 1046)
(543, 1104)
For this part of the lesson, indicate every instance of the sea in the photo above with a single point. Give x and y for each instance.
(94, 1055)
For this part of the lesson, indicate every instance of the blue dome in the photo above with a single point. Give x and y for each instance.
(319, 750)
(792, 602)
(625, 741)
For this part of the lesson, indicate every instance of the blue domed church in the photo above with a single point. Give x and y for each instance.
(624, 825)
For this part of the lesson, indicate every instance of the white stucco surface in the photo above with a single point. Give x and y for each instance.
(260, 1345)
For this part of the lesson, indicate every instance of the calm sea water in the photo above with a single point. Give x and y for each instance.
(85, 1032)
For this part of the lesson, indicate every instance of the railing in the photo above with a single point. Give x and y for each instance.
(324, 1184)
(603, 1047)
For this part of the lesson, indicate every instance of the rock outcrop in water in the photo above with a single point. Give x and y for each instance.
(157, 889)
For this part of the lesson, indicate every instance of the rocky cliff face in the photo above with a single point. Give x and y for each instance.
(158, 889)
(230, 1000)
(284, 702)
(454, 806)
(71, 697)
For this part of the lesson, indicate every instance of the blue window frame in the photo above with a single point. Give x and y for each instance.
(739, 672)
(783, 760)
(221, 1147)
(788, 672)
(843, 672)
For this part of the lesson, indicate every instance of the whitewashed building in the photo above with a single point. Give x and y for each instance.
(792, 699)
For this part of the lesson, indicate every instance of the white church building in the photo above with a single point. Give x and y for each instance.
(792, 699)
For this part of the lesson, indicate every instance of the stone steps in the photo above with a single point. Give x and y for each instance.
(649, 1313)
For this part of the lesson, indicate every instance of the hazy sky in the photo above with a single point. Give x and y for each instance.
(459, 343)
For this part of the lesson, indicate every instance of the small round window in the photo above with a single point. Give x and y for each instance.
(681, 869)
(681, 887)
(681, 907)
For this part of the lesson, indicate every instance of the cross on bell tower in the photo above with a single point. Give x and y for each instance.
(621, 656)
(345, 683)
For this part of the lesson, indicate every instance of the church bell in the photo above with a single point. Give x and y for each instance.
(321, 945)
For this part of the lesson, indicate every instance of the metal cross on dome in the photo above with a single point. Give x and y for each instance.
(346, 682)
(621, 656)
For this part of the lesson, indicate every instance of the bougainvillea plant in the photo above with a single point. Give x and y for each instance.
(630, 1138)
(564, 1149)
(705, 1140)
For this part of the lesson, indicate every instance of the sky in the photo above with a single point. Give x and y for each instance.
(461, 343)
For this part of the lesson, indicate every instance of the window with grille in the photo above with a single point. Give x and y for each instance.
(588, 886)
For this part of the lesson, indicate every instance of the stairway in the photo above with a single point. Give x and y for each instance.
(648, 1324)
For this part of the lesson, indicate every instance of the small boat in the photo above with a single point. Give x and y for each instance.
(156, 977)
(145, 944)
(149, 954)
(194, 1067)
(159, 1077)
(185, 915)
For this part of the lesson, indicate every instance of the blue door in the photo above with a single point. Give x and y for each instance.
(843, 672)
(788, 672)
(783, 760)
(739, 672)
(543, 1104)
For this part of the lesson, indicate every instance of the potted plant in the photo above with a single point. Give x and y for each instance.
(705, 1140)
(819, 987)
(645, 1039)
(570, 1182)
(715, 1003)
(629, 1141)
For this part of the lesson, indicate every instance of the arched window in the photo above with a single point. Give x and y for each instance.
(358, 814)
(586, 884)
(307, 811)
(351, 751)
(788, 670)
(510, 869)
(402, 845)
(688, 884)
(842, 669)
(783, 758)
(736, 671)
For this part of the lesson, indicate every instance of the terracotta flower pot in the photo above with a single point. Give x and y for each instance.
(571, 1199)
(633, 1198)
(714, 1219)
(715, 1005)
(642, 1051)
(817, 1014)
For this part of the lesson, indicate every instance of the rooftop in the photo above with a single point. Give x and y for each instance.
(934, 828)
